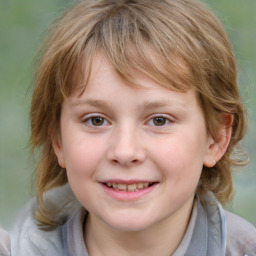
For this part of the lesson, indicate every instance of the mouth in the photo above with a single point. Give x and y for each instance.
(133, 187)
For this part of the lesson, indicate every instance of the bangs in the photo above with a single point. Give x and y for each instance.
(135, 42)
(130, 47)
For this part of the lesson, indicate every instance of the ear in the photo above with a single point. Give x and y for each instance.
(218, 146)
(58, 149)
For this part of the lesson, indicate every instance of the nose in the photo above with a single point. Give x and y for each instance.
(126, 147)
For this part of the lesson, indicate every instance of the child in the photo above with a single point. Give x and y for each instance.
(137, 117)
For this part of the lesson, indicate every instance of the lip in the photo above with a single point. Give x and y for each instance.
(127, 182)
(126, 196)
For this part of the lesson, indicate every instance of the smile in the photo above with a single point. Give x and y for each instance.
(128, 187)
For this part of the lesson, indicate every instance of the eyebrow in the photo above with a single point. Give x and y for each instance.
(92, 102)
(147, 105)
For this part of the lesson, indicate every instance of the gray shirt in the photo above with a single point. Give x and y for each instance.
(5, 243)
(73, 234)
(211, 232)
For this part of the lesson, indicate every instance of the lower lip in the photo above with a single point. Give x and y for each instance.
(126, 196)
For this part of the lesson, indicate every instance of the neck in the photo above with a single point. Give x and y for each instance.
(161, 239)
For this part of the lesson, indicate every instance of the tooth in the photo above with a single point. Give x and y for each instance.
(121, 186)
(140, 185)
(145, 184)
(131, 187)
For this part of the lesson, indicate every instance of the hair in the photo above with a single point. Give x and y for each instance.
(149, 36)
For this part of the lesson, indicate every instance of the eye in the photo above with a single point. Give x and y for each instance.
(159, 121)
(95, 121)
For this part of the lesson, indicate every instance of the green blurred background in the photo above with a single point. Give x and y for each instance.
(23, 25)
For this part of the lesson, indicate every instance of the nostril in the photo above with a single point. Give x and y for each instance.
(124, 162)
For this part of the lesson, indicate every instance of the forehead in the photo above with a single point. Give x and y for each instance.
(135, 76)
(106, 85)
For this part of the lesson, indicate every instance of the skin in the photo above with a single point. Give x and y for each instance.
(116, 133)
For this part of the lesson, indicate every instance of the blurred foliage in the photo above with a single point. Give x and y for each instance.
(23, 25)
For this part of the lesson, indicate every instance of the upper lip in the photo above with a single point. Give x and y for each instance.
(127, 182)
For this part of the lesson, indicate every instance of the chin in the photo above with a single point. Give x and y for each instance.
(129, 223)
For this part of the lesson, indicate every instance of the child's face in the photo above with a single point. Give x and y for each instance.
(116, 139)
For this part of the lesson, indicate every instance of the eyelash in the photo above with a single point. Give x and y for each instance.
(89, 121)
(166, 120)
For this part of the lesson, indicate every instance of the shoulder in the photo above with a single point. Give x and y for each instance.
(27, 239)
(241, 236)
(4, 243)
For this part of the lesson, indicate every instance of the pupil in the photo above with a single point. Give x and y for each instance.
(159, 121)
(97, 121)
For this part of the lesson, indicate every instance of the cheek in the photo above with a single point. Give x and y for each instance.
(82, 157)
(82, 160)
(181, 159)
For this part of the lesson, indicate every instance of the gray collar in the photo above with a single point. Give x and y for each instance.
(209, 235)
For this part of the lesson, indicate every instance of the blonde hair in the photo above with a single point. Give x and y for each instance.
(148, 36)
